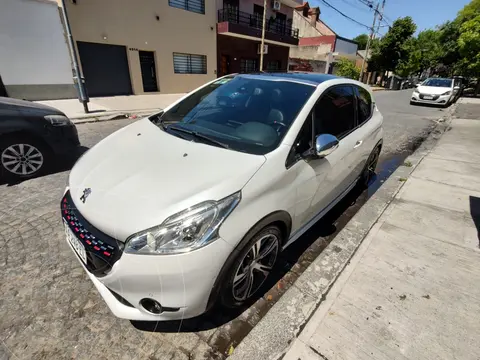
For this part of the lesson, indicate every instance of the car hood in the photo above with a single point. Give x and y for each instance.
(28, 107)
(140, 175)
(433, 90)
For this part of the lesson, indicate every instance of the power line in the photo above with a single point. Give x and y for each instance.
(344, 15)
(356, 7)
(367, 2)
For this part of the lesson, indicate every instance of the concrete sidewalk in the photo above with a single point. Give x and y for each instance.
(113, 106)
(411, 290)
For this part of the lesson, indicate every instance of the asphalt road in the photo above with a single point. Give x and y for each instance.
(50, 310)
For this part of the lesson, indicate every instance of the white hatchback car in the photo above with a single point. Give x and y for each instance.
(194, 204)
(435, 91)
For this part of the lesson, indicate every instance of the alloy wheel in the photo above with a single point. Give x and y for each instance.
(22, 159)
(255, 267)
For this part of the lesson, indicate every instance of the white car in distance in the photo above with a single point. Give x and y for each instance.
(435, 91)
(192, 206)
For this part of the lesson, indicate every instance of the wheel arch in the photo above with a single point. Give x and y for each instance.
(282, 219)
(26, 134)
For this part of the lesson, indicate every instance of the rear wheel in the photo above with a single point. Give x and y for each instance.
(251, 267)
(22, 157)
(369, 171)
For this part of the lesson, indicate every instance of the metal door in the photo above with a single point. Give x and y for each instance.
(149, 73)
(105, 68)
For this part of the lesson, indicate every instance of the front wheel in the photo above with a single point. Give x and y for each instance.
(251, 267)
(22, 157)
(369, 171)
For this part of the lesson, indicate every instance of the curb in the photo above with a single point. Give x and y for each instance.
(274, 334)
(113, 115)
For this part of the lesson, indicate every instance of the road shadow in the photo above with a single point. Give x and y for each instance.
(291, 264)
(61, 163)
(475, 213)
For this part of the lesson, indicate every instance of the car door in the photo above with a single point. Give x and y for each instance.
(335, 114)
(366, 129)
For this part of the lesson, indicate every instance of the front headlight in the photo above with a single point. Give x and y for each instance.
(185, 231)
(416, 91)
(58, 120)
(447, 93)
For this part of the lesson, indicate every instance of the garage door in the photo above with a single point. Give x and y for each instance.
(105, 68)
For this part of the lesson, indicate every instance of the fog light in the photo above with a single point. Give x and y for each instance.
(152, 306)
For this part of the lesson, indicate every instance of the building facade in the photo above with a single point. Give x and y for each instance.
(146, 46)
(34, 57)
(239, 31)
(319, 46)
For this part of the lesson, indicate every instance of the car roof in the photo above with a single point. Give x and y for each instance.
(305, 78)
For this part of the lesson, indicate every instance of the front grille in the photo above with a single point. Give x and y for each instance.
(102, 250)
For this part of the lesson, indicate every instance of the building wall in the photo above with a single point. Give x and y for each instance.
(237, 48)
(133, 24)
(324, 29)
(315, 52)
(247, 7)
(305, 28)
(345, 47)
(34, 58)
(317, 66)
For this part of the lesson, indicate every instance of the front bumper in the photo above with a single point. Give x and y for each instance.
(181, 283)
(62, 139)
(436, 99)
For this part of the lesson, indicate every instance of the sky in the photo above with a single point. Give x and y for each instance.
(425, 13)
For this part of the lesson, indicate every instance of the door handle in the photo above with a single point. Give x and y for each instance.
(358, 143)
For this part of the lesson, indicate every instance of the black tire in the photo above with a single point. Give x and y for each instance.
(369, 169)
(36, 163)
(230, 295)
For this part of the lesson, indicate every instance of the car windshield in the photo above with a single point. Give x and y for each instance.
(438, 82)
(244, 113)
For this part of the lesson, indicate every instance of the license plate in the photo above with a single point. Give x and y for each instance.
(76, 244)
(427, 97)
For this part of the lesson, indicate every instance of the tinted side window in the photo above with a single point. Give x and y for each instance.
(364, 105)
(335, 112)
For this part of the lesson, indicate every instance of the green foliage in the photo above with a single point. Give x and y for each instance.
(392, 47)
(469, 44)
(347, 68)
(361, 40)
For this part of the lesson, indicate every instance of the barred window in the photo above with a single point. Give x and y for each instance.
(248, 65)
(273, 65)
(189, 64)
(197, 6)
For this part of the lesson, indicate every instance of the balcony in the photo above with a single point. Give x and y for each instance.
(238, 23)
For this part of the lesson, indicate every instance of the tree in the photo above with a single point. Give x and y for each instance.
(392, 47)
(469, 45)
(361, 40)
(347, 68)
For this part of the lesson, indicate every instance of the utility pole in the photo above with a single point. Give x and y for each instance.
(380, 15)
(82, 94)
(263, 33)
(372, 34)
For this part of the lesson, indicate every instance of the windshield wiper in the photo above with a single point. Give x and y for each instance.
(199, 136)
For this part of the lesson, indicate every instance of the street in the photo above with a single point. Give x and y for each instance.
(50, 309)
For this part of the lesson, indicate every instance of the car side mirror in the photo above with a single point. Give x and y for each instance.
(325, 144)
(417, 85)
(456, 87)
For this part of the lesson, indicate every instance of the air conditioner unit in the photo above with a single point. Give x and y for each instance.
(276, 5)
(265, 49)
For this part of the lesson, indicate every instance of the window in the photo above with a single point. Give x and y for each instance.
(197, 6)
(364, 105)
(189, 64)
(273, 65)
(248, 65)
(242, 112)
(335, 112)
(303, 142)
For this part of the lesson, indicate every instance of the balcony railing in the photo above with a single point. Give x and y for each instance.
(276, 26)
